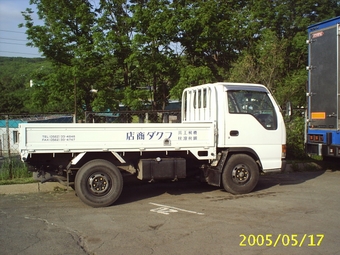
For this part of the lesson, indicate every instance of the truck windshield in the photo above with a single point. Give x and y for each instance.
(255, 103)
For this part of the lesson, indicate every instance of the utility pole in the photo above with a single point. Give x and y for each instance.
(75, 101)
(9, 148)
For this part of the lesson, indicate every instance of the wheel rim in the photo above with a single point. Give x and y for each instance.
(240, 174)
(99, 183)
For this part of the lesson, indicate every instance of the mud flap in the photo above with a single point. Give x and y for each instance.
(213, 175)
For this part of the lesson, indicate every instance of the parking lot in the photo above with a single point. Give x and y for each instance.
(290, 213)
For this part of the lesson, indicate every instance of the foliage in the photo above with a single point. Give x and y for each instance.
(15, 76)
(144, 52)
(190, 76)
(295, 138)
(263, 64)
(167, 46)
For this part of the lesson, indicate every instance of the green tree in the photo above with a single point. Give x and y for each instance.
(15, 76)
(276, 53)
(66, 39)
(211, 35)
(154, 60)
(123, 47)
(263, 64)
(113, 39)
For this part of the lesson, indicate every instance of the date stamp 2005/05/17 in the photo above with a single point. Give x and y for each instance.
(293, 240)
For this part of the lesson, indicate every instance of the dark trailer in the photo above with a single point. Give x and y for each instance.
(323, 134)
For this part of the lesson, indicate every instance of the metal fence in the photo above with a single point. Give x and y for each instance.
(158, 116)
(9, 133)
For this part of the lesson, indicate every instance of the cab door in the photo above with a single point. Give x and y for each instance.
(252, 124)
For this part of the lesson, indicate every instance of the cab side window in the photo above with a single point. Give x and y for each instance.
(255, 103)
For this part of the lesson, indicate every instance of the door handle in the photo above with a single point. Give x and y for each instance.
(234, 133)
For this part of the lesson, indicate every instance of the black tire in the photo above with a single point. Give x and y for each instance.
(240, 174)
(98, 183)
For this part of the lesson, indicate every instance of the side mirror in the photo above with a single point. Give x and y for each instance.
(289, 109)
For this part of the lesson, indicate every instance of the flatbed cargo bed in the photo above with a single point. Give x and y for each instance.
(131, 137)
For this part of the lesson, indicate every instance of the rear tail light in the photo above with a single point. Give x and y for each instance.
(316, 138)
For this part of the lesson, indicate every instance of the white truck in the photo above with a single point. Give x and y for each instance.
(229, 132)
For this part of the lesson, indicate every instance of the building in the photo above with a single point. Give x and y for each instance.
(9, 134)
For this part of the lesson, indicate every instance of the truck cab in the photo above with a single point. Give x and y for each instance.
(247, 119)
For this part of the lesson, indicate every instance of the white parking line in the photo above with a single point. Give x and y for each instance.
(165, 209)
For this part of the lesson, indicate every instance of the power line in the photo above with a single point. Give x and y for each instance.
(11, 31)
(13, 43)
(4, 38)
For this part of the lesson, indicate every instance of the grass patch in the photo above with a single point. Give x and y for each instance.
(17, 181)
(305, 166)
(14, 171)
(314, 163)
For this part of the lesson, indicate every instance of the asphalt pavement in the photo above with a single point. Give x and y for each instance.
(289, 213)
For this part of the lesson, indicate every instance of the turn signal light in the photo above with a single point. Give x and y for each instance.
(284, 151)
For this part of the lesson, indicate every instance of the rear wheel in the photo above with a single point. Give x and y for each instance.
(240, 174)
(98, 183)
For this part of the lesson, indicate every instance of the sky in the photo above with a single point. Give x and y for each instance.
(12, 38)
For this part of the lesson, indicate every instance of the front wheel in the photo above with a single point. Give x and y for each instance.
(240, 174)
(98, 183)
